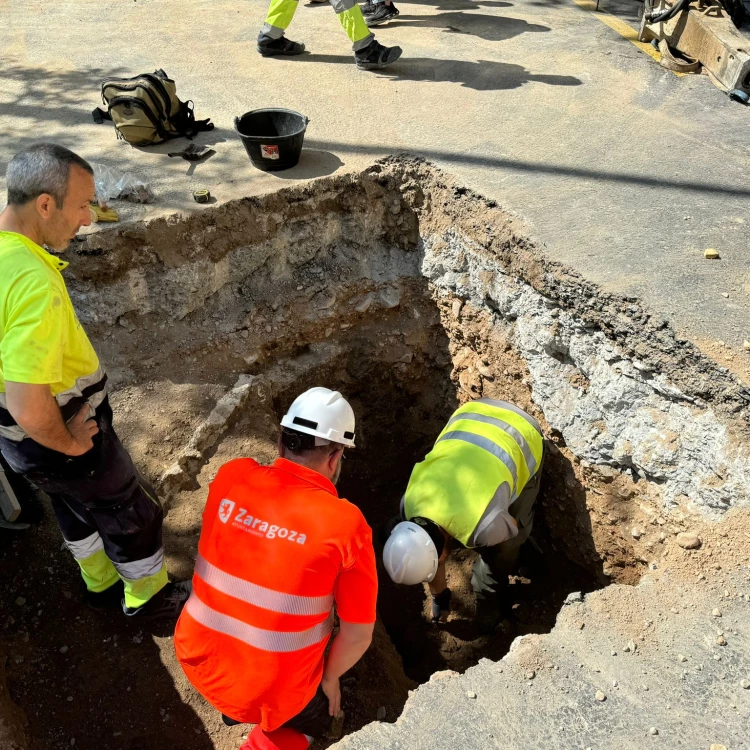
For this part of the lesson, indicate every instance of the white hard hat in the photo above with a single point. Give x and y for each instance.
(409, 555)
(324, 413)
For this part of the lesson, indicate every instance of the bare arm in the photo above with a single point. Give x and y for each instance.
(38, 415)
(347, 649)
(439, 582)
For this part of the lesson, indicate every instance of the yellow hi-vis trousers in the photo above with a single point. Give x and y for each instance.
(281, 12)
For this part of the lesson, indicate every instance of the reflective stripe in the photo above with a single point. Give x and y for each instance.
(271, 31)
(84, 548)
(265, 640)
(76, 391)
(16, 433)
(515, 409)
(342, 5)
(505, 427)
(260, 596)
(363, 43)
(138, 569)
(489, 446)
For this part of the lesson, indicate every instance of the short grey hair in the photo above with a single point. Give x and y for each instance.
(39, 169)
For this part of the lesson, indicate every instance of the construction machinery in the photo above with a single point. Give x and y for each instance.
(714, 33)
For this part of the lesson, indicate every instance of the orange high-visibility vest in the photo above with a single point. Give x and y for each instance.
(278, 547)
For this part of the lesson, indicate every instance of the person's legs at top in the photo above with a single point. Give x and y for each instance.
(369, 54)
(103, 586)
(378, 12)
(111, 521)
(271, 39)
(132, 537)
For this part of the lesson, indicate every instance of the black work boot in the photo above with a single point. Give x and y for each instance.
(382, 14)
(164, 605)
(368, 8)
(282, 47)
(101, 601)
(375, 56)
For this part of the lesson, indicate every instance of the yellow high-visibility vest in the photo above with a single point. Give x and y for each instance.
(488, 449)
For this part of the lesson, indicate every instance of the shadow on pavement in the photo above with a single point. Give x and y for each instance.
(312, 163)
(484, 75)
(459, 4)
(489, 28)
(564, 170)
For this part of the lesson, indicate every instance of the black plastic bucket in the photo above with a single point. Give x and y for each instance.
(272, 137)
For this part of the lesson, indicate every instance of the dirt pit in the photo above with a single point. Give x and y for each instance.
(410, 295)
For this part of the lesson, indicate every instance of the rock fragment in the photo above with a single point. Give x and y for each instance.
(485, 372)
(600, 696)
(530, 675)
(711, 254)
(716, 613)
(745, 684)
(689, 540)
(630, 648)
(471, 694)
(380, 715)
(682, 657)
(653, 731)
(364, 304)
(336, 729)
(721, 641)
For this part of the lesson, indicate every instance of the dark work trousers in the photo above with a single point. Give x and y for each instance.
(493, 566)
(109, 515)
(313, 720)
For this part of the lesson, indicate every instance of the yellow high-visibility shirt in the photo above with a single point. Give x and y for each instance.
(41, 339)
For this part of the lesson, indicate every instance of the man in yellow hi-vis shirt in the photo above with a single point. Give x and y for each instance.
(55, 418)
(477, 486)
(369, 54)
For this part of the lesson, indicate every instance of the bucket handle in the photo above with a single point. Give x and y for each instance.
(237, 122)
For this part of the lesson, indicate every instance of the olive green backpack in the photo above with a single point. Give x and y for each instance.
(145, 109)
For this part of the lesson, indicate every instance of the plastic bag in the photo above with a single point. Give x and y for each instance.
(110, 184)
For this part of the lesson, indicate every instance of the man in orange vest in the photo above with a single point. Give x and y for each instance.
(278, 549)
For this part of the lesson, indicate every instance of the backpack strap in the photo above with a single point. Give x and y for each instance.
(186, 123)
(100, 115)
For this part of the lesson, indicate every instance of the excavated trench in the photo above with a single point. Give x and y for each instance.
(411, 295)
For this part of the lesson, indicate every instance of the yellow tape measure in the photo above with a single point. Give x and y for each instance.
(201, 196)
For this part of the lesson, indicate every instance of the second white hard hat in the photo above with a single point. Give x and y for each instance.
(324, 413)
(409, 555)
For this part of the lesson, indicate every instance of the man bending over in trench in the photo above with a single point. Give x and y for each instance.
(477, 486)
(55, 418)
(277, 549)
